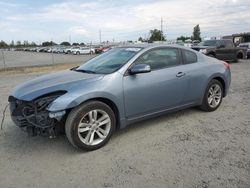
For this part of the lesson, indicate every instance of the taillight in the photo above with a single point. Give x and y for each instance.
(227, 66)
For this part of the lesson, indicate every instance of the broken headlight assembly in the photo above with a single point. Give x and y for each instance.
(34, 117)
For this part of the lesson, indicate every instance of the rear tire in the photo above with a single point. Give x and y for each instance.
(213, 96)
(240, 55)
(90, 125)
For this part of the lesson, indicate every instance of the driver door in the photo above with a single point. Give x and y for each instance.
(162, 88)
(220, 50)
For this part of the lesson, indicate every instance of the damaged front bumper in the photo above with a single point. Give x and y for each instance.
(33, 116)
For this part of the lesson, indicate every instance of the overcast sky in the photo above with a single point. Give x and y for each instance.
(118, 20)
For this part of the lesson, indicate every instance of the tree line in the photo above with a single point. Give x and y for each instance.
(158, 35)
(196, 35)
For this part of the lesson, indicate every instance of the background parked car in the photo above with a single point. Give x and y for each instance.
(69, 50)
(101, 49)
(83, 50)
(45, 49)
(221, 49)
(32, 49)
(41, 49)
(49, 50)
(58, 50)
(246, 45)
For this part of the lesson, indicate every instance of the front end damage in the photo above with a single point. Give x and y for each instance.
(33, 116)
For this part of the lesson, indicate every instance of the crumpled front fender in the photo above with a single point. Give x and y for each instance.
(72, 100)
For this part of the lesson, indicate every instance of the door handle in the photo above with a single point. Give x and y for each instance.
(180, 74)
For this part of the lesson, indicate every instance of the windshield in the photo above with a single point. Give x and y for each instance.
(109, 61)
(209, 43)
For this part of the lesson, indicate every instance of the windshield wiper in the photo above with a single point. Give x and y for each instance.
(85, 71)
(74, 68)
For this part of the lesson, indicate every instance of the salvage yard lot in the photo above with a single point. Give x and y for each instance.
(189, 148)
(24, 59)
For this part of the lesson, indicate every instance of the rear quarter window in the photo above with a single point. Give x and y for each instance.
(189, 57)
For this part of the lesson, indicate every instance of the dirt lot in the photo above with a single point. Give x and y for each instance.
(23, 59)
(189, 148)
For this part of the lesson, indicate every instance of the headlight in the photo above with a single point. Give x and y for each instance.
(36, 112)
(204, 51)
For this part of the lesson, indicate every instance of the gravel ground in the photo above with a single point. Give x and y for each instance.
(189, 148)
(23, 59)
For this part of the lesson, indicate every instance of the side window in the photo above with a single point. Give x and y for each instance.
(190, 57)
(221, 43)
(228, 44)
(160, 58)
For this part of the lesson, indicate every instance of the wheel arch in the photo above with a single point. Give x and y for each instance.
(111, 104)
(222, 81)
(216, 77)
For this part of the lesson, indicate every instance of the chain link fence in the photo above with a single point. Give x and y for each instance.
(15, 59)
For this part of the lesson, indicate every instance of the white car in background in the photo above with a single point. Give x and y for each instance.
(69, 49)
(189, 45)
(58, 50)
(83, 50)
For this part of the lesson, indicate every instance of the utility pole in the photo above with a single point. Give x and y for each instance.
(100, 36)
(161, 28)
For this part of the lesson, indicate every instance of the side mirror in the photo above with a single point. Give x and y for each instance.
(140, 68)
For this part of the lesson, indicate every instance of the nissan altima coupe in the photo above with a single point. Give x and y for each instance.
(117, 88)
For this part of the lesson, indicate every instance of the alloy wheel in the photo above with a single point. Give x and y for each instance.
(94, 127)
(214, 95)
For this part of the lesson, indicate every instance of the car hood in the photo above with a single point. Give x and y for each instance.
(60, 81)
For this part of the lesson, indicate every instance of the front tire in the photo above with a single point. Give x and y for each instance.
(213, 96)
(90, 125)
